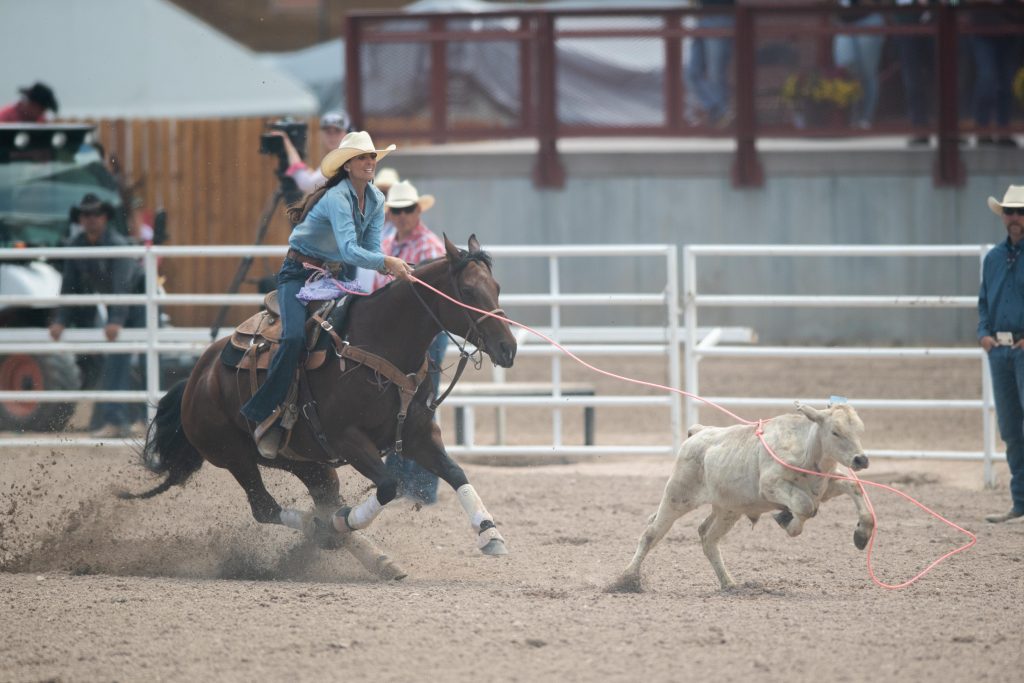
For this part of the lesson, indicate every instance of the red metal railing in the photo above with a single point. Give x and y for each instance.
(536, 35)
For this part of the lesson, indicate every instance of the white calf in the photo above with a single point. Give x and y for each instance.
(729, 468)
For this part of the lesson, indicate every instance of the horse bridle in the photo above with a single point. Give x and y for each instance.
(477, 339)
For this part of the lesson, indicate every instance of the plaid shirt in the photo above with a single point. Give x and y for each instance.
(421, 245)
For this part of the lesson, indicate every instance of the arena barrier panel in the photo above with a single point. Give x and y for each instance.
(694, 351)
(661, 341)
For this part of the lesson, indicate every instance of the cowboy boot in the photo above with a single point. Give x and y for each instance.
(1004, 517)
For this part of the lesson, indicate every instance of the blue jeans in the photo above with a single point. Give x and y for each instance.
(290, 280)
(860, 55)
(916, 54)
(707, 72)
(993, 76)
(414, 481)
(1007, 365)
(116, 375)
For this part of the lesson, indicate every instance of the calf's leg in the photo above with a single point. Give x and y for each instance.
(865, 524)
(791, 497)
(676, 501)
(711, 531)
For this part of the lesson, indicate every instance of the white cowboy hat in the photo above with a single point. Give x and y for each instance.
(352, 145)
(404, 194)
(1014, 197)
(386, 177)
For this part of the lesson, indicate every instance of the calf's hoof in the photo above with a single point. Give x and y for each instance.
(627, 583)
(783, 518)
(861, 538)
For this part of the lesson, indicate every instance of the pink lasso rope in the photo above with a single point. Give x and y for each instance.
(760, 435)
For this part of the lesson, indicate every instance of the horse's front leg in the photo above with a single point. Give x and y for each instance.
(363, 456)
(428, 450)
(323, 485)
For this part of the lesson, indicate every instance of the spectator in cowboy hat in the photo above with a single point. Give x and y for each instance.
(102, 275)
(1001, 334)
(337, 227)
(334, 125)
(413, 242)
(32, 106)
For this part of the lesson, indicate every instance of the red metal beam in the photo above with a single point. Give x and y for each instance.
(549, 171)
(746, 169)
(949, 168)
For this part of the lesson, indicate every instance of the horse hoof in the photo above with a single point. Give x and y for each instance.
(860, 539)
(495, 546)
(388, 570)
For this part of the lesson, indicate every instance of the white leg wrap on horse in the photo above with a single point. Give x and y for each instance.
(473, 506)
(486, 536)
(363, 514)
(293, 519)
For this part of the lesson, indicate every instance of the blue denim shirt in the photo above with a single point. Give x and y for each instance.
(334, 230)
(1001, 299)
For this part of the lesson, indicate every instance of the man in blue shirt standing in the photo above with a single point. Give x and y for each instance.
(1001, 334)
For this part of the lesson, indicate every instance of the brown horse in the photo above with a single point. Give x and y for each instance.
(358, 407)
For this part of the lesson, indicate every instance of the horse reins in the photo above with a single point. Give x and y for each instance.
(474, 330)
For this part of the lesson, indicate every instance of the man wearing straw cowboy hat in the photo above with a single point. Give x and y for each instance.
(337, 228)
(1001, 334)
(412, 242)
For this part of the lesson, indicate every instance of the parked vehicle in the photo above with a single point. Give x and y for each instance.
(45, 169)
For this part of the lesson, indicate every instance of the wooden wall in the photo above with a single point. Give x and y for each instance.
(214, 185)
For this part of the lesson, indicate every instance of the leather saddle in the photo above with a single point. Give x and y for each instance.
(254, 342)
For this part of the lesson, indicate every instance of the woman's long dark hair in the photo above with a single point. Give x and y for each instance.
(297, 212)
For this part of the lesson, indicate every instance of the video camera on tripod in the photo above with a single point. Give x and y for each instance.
(273, 145)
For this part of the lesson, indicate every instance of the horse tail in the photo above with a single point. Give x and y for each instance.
(167, 449)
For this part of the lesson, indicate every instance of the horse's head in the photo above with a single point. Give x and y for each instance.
(474, 284)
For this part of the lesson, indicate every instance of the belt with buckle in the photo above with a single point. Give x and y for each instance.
(300, 258)
(1008, 338)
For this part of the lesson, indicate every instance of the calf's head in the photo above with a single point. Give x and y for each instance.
(839, 428)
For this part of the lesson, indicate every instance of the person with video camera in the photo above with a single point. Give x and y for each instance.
(337, 228)
(334, 125)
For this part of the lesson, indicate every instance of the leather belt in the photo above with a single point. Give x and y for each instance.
(300, 258)
(1015, 335)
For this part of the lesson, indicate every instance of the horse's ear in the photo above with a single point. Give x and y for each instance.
(451, 250)
(474, 245)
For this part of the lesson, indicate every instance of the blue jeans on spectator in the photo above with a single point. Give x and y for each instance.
(1007, 366)
(860, 55)
(414, 481)
(916, 53)
(116, 375)
(707, 69)
(281, 372)
(993, 73)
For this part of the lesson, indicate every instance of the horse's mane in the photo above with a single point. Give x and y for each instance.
(465, 258)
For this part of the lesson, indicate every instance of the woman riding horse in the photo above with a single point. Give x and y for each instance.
(338, 228)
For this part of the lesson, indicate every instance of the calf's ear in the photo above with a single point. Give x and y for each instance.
(810, 413)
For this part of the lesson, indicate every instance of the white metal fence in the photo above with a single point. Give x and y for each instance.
(153, 341)
(694, 351)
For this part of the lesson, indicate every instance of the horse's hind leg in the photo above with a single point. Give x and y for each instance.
(264, 508)
(322, 482)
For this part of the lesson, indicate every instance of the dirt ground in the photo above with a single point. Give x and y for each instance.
(187, 586)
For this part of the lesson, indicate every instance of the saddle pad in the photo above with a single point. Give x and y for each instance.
(262, 354)
(256, 339)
